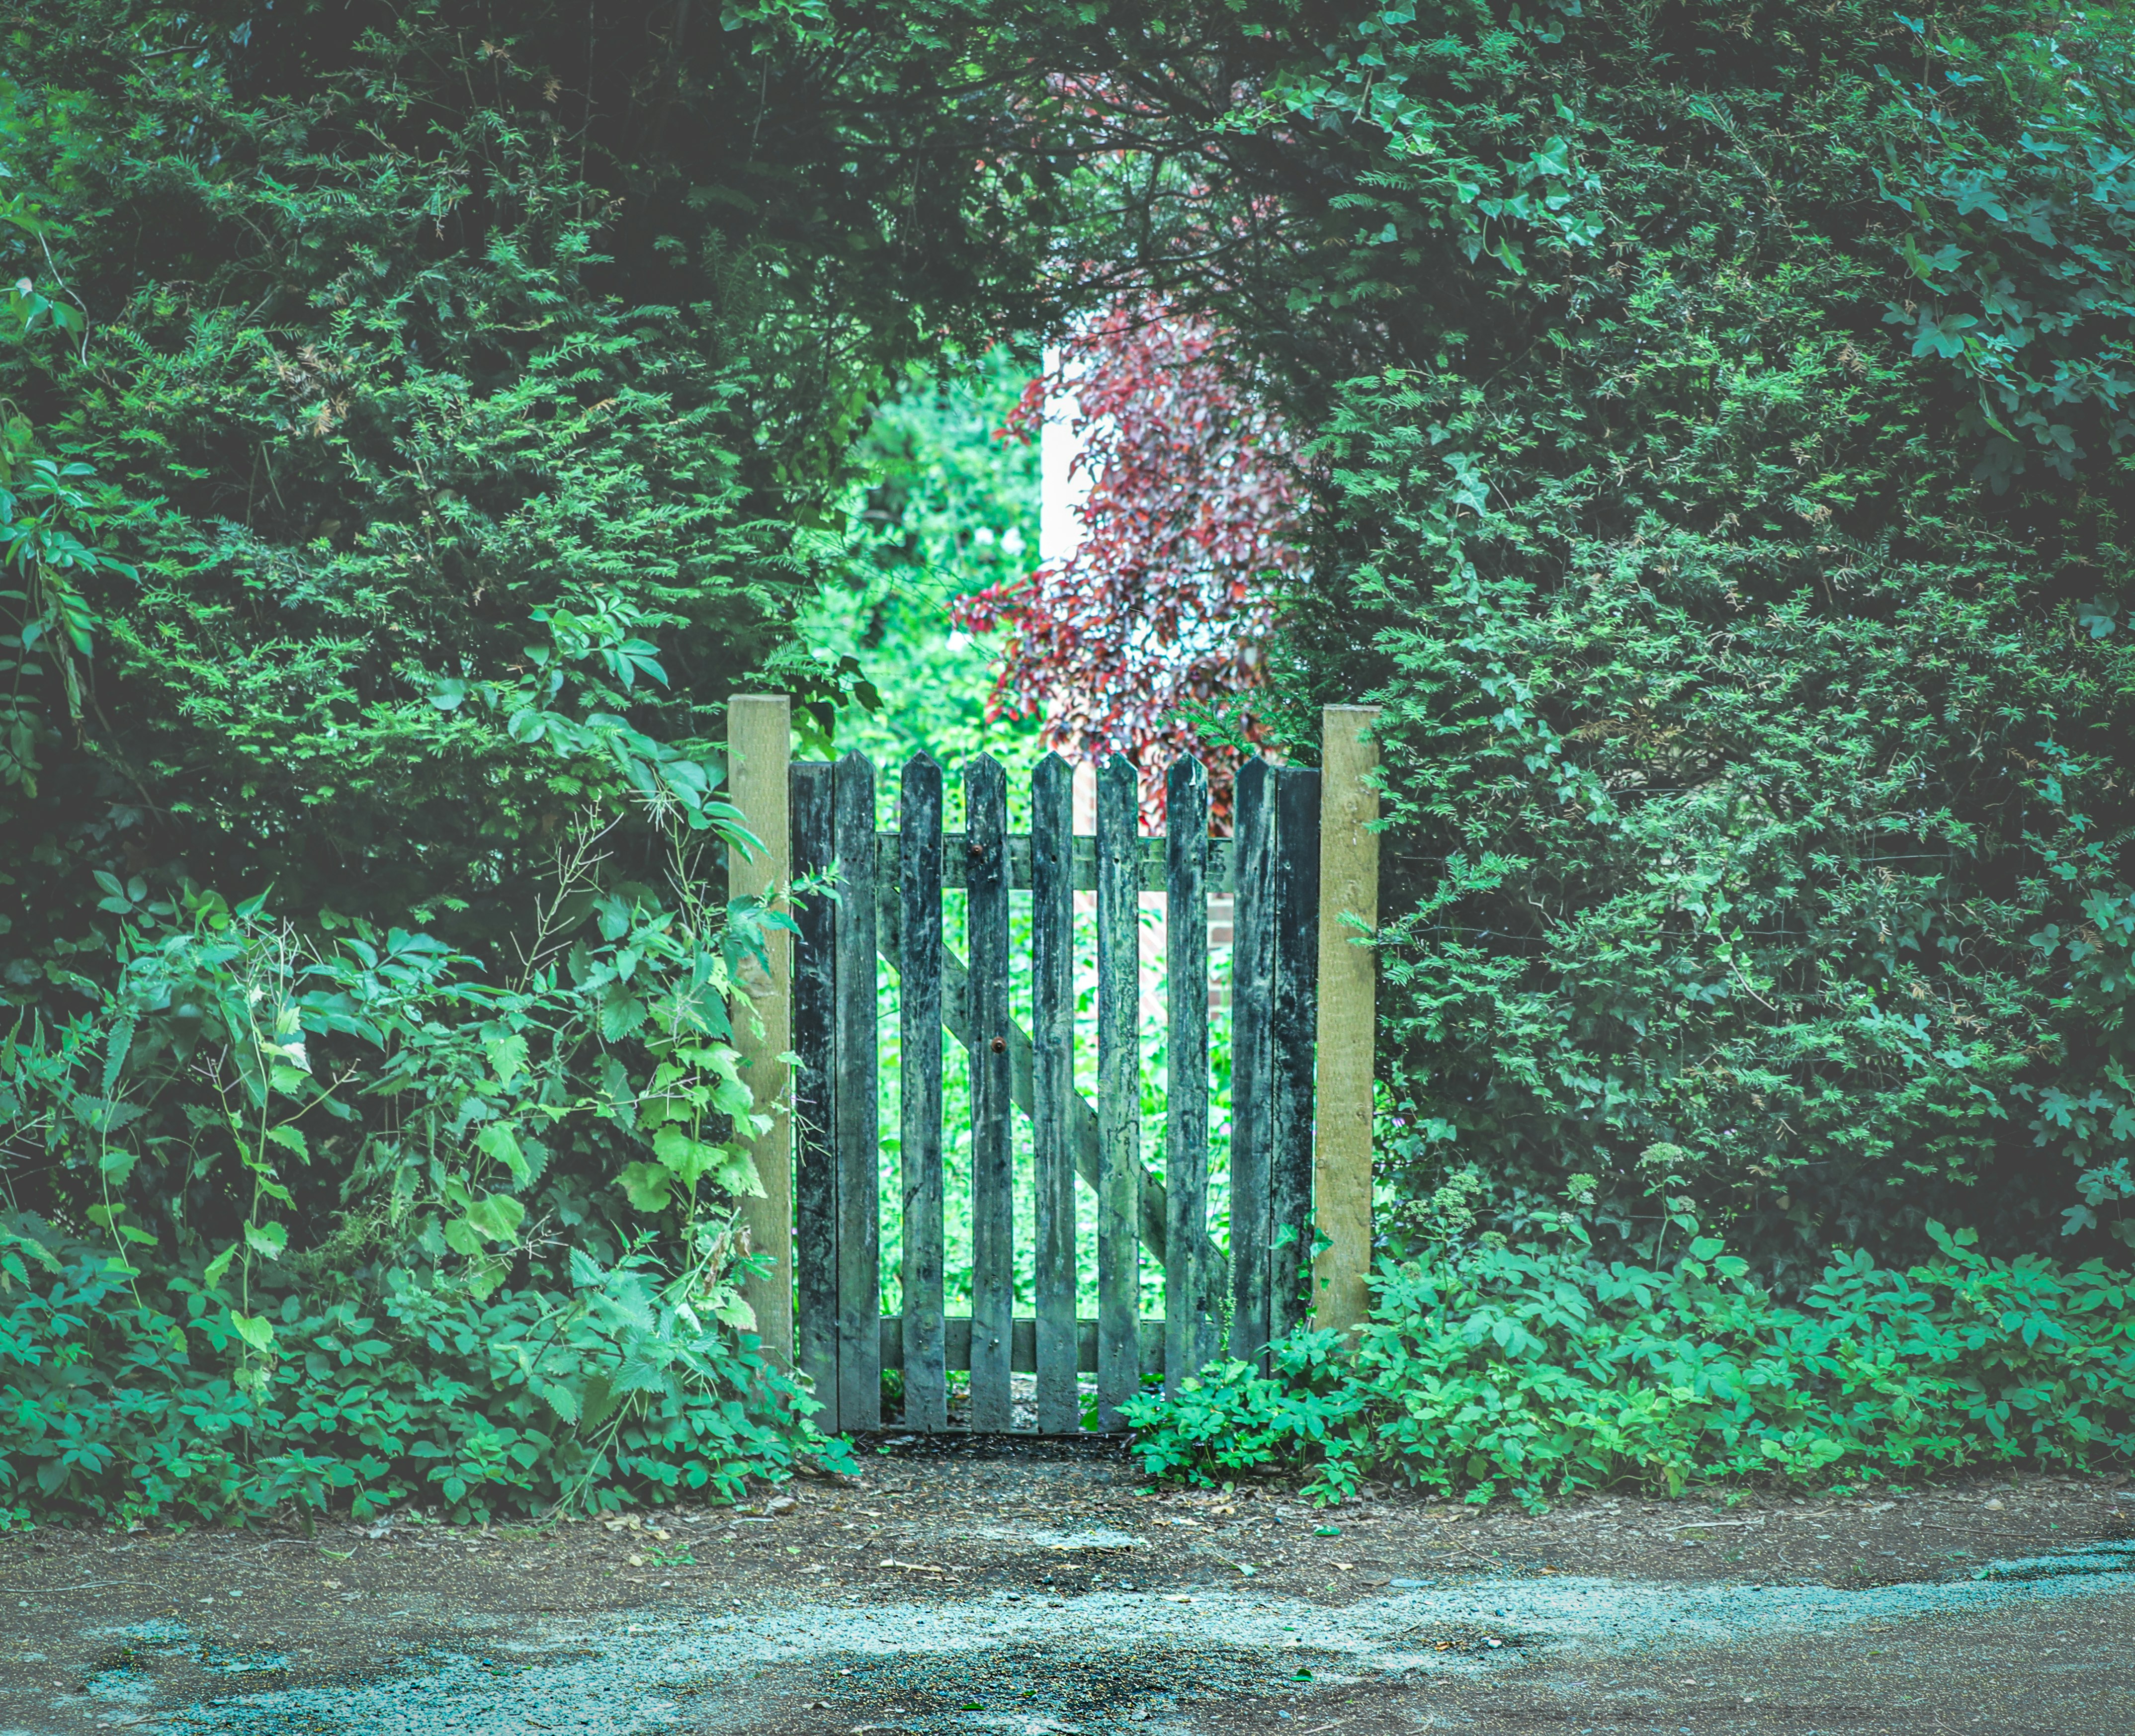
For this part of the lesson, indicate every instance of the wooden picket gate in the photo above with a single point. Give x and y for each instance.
(1302, 869)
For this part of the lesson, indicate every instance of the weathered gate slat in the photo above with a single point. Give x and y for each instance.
(993, 1170)
(1023, 1348)
(919, 1043)
(1289, 1107)
(814, 1173)
(1053, 1089)
(1119, 1087)
(1188, 1322)
(1252, 1059)
(854, 1116)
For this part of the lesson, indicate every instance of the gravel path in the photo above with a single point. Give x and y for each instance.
(1018, 1587)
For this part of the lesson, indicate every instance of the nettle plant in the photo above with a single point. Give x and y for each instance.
(446, 1096)
(234, 1058)
(265, 1124)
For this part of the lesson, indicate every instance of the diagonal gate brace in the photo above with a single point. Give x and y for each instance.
(1082, 1119)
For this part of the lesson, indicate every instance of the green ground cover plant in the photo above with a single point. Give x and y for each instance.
(1537, 1370)
(127, 1400)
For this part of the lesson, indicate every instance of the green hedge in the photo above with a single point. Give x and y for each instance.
(1536, 1371)
(1729, 515)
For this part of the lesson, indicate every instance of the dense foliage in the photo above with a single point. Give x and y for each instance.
(1728, 505)
(132, 1410)
(1540, 1370)
(283, 1146)
(417, 421)
(464, 402)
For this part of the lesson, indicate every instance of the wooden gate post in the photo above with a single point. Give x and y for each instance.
(759, 749)
(1342, 1129)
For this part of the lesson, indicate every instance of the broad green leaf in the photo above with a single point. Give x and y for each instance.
(647, 1185)
(687, 1160)
(507, 1056)
(737, 1173)
(498, 1141)
(596, 1400)
(621, 1015)
(255, 1330)
(497, 1217)
(733, 1098)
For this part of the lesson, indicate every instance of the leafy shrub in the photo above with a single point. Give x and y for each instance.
(128, 1409)
(1535, 1371)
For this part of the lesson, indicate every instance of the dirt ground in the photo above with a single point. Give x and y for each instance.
(1005, 1585)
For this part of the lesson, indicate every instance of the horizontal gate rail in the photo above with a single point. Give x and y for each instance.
(1153, 862)
(1022, 1351)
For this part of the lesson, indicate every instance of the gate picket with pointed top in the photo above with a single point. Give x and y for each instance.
(888, 907)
